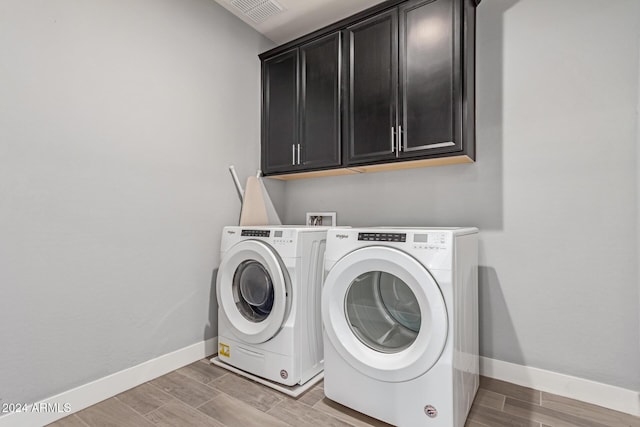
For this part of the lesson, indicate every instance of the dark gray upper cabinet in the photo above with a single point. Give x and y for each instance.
(372, 90)
(301, 117)
(406, 90)
(428, 109)
(280, 112)
(320, 101)
(405, 93)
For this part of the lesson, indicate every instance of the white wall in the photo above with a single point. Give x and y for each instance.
(554, 189)
(118, 120)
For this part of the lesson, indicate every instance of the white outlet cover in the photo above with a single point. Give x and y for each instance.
(327, 218)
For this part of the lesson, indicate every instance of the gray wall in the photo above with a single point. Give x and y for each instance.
(118, 120)
(554, 190)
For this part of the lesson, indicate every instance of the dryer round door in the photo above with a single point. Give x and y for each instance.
(384, 313)
(252, 291)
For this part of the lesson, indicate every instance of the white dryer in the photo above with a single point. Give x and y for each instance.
(268, 290)
(400, 314)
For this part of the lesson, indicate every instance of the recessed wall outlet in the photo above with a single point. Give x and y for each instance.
(321, 219)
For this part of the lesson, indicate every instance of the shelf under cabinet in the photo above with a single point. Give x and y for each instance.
(411, 164)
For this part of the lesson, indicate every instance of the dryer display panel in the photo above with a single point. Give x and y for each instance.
(382, 311)
(253, 291)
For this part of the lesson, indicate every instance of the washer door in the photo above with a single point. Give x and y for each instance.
(252, 291)
(384, 313)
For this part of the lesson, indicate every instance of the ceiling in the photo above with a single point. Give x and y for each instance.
(297, 18)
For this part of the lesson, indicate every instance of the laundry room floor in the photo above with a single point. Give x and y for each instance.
(202, 394)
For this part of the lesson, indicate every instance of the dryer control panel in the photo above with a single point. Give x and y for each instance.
(430, 241)
(383, 237)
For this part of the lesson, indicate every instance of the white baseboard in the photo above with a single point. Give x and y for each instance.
(53, 408)
(608, 396)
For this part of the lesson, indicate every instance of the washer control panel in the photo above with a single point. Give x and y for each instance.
(256, 233)
(383, 237)
(281, 237)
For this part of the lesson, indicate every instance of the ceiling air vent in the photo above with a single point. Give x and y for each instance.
(257, 10)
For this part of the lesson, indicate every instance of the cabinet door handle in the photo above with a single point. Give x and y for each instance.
(400, 138)
(440, 144)
(293, 154)
(298, 153)
(393, 139)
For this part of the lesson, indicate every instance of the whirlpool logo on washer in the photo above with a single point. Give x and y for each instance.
(342, 236)
(231, 232)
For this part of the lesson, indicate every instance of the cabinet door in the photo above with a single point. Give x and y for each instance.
(320, 102)
(372, 47)
(428, 93)
(280, 112)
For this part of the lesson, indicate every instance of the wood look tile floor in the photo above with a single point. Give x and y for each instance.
(203, 394)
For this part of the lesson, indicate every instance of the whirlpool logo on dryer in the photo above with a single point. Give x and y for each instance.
(342, 236)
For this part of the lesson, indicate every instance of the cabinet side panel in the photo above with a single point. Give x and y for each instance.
(469, 72)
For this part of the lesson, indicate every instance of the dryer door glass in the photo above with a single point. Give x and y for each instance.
(382, 311)
(253, 291)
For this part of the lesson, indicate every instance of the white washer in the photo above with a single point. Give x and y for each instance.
(268, 290)
(400, 314)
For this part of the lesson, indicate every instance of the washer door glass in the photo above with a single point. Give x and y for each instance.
(253, 291)
(382, 311)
